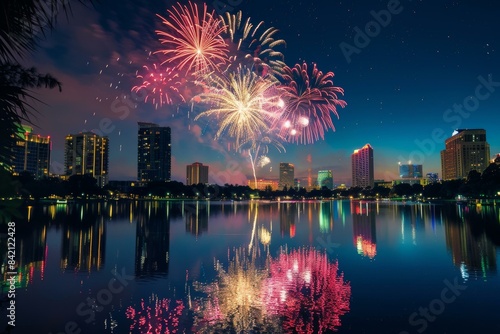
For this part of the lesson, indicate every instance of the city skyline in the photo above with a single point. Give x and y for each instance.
(401, 84)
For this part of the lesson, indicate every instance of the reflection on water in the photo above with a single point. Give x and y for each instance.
(155, 315)
(197, 218)
(269, 274)
(84, 246)
(306, 291)
(233, 301)
(471, 248)
(152, 243)
(364, 229)
(299, 291)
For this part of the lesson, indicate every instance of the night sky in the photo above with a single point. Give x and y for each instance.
(407, 87)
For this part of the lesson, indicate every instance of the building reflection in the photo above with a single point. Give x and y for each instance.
(152, 243)
(196, 216)
(31, 255)
(326, 217)
(472, 250)
(364, 229)
(288, 216)
(83, 245)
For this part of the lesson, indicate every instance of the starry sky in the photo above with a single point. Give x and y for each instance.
(429, 67)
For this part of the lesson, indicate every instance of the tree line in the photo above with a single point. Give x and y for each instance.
(476, 185)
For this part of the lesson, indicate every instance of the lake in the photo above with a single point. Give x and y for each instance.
(256, 267)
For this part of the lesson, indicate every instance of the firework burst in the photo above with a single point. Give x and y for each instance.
(241, 104)
(252, 45)
(160, 85)
(192, 39)
(310, 98)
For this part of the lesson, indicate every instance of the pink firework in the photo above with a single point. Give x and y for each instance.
(310, 99)
(159, 85)
(192, 39)
(306, 291)
(155, 316)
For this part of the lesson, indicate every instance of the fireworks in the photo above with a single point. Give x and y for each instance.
(160, 85)
(248, 46)
(241, 105)
(305, 289)
(310, 98)
(192, 39)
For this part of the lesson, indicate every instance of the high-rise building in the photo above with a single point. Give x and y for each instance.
(409, 171)
(87, 153)
(196, 173)
(325, 179)
(432, 177)
(286, 175)
(153, 153)
(31, 153)
(362, 167)
(465, 150)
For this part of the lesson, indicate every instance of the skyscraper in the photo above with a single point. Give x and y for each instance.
(409, 171)
(32, 154)
(325, 179)
(465, 150)
(87, 153)
(153, 153)
(362, 167)
(286, 175)
(196, 173)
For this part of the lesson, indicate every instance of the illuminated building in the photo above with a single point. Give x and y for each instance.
(31, 153)
(286, 175)
(362, 167)
(465, 150)
(263, 184)
(196, 173)
(153, 153)
(87, 154)
(432, 177)
(325, 179)
(496, 160)
(409, 171)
